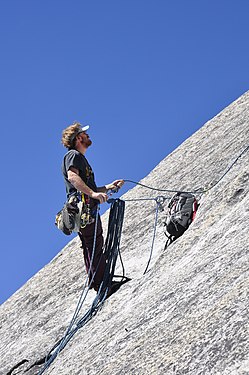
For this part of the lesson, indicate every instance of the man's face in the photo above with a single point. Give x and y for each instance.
(85, 139)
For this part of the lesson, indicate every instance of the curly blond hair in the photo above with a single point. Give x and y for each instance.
(69, 134)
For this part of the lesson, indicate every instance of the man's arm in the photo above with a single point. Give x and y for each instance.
(79, 184)
(117, 184)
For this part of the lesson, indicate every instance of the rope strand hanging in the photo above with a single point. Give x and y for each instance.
(197, 191)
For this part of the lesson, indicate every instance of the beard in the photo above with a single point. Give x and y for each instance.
(86, 141)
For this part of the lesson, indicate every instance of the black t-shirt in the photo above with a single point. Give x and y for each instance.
(75, 159)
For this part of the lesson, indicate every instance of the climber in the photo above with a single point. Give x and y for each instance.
(79, 177)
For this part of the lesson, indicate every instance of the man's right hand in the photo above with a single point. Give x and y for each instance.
(102, 197)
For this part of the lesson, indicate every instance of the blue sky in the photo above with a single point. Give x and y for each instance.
(145, 74)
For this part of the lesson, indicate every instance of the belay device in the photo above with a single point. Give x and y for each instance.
(181, 212)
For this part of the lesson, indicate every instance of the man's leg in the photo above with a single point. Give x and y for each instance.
(98, 262)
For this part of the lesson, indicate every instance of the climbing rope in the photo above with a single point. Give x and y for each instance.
(111, 252)
(160, 199)
(159, 206)
(197, 191)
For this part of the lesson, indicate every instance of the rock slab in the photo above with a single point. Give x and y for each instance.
(189, 313)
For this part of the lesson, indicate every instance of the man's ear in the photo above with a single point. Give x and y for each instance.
(77, 138)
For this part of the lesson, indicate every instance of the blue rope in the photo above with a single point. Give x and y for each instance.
(159, 201)
(111, 250)
(197, 191)
(59, 346)
(154, 236)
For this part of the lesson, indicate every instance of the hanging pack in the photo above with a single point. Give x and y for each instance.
(75, 215)
(65, 219)
(181, 212)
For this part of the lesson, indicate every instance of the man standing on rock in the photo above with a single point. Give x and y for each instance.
(79, 178)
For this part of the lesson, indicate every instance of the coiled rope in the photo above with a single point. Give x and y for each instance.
(111, 252)
(159, 207)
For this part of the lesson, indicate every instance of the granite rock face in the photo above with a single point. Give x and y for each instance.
(189, 313)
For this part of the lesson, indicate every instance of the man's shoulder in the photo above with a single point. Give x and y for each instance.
(71, 154)
(74, 158)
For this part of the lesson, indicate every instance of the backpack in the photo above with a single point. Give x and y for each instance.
(181, 212)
